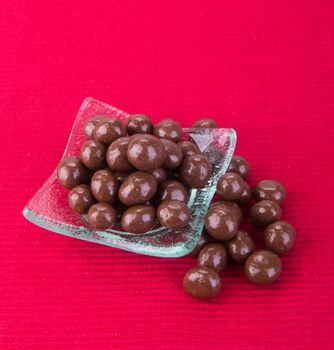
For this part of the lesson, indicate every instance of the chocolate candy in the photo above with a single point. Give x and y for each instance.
(195, 171)
(269, 189)
(230, 186)
(93, 154)
(279, 237)
(146, 152)
(221, 223)
(245, 195)
(138, 219)
(233, 207)
(202, 242)
(188, 148)
(263, 267)
(173, 154)
(104, 186)
(172, 190)
(240, 247)
(137, 188)
(80, 199)
(214, 256)
(159, 174)
(117, 157)
(239, 165)
(168, 129)
(102, 216)
(90, 125)
(205, 123)
(108, 130)
(265, 212)
(71, 172)
(173, 214)
(139, 124)
(202, 282)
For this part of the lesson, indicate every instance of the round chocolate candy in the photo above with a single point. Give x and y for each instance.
(265, 212)
(104, 186)
(138, 219)
(120, 176)
(202, 242)
(168, 129)
(93, 154)
(71, 172)
(160, 175)
(269, 189)
(230, 186)
(279, 237)
(232, 206)
(173, 214)
(245, 195)
(172, 190)
(205, 123)
(90, 125)
(173, 154)
(81, 199)
(202, 282)
(263, 267)
(240, 247)
(102, 216)
(117, 157)
(108, 130)
(137, 188)
(188, 148)
(239, 165)
(195, 171)
(139, 124)
(221, 223)
(146, 152)
(214, 256)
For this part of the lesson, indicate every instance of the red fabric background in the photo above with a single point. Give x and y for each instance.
(263, 67)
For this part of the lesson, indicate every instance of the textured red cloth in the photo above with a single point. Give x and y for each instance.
(263, 67)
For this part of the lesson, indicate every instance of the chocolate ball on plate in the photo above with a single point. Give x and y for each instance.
(230, 186)
(81, 199)
(269, 189)
(279, 237)
(71, 172)
(90, 125)
(108, 130)
(239, 165)
(173, 154)
(173, 214)
(214, 256)
(205, 123)
(195, 171)
(102, 216)
(232, 206)
(139, 124)
(168, 129)
(265, 212)
(117, 157)
(240, 247)
(188, 148)
(139, 218)
(172, 190)
(104, 186)
(93, 155)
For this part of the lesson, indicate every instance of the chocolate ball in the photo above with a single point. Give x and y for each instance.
(138, 219)
(160, 175)
(102, 216)
(214, 256)
(233, 207)
(240, 247)
(139, 124)
(221, 223)
(202, 242)
(172, 190)
(265, 212)
(93, 154)
(269, 189)
(239, 165)
(146, 152)
(173, 214)
(71, 172)
(195, 171)
(188, 148)
(263, 267)
(90, 125)
(137, 188)
(120, 176)
(279, 237)
(108, 130)
(104, 186)
(117, 157)
(202, 282)
(245, 195)
(230, 186)
(173, 154)
(205, 123)
(81, 199)
(168, 129)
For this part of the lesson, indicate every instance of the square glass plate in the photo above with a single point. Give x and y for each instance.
(49, 207)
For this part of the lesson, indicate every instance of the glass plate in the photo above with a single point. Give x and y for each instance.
(49, 208)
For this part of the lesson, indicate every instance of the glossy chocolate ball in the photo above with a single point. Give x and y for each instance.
(137, 188)
(239, 165)
(202, 282)
(104, 186)
(269, 189)
(90, 125)
(245, 195)
(160, 175)
(232, 207)
(188, 148)
(265, 212)
(139, 124)
(81, 199)
(195, 171)
(71, 172)
(102, 216)
(279, 237)
(138, 219)
(205, 123)
(93, 155)
(168, 129)
(174, 154)
(202, 242)
(214, 256)
(172, 190)
(240, 247)
(173, 214)
(146, 152)
(117, 157)
(108, 130)
(263, 267)
(230, 186)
